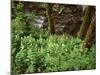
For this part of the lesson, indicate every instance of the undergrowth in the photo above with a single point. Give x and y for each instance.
(36, 50)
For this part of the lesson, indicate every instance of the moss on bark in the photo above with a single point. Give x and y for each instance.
(90, 36)
(89, 10)
(50, 18)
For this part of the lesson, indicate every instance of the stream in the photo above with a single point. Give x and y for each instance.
(68, 21)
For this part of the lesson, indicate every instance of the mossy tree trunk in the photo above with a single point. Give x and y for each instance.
(89, 10)
(50, 18)
(90, 36)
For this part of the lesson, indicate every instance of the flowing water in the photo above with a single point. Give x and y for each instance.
(39, 20)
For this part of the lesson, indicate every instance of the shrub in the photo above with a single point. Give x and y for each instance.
(56, 53)
(35, 50)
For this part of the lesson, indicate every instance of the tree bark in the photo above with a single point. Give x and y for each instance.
(90, 36)
(89, 10)
(50, 18)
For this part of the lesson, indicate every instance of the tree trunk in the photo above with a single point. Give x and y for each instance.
(50, 19)
(90, 36)
(89, 10)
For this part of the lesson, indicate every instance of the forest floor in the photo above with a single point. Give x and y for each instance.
(35, 50)
(67, 18)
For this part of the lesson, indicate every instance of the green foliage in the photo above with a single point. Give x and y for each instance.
(36, 50)
(56, 53)
(21, 26)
